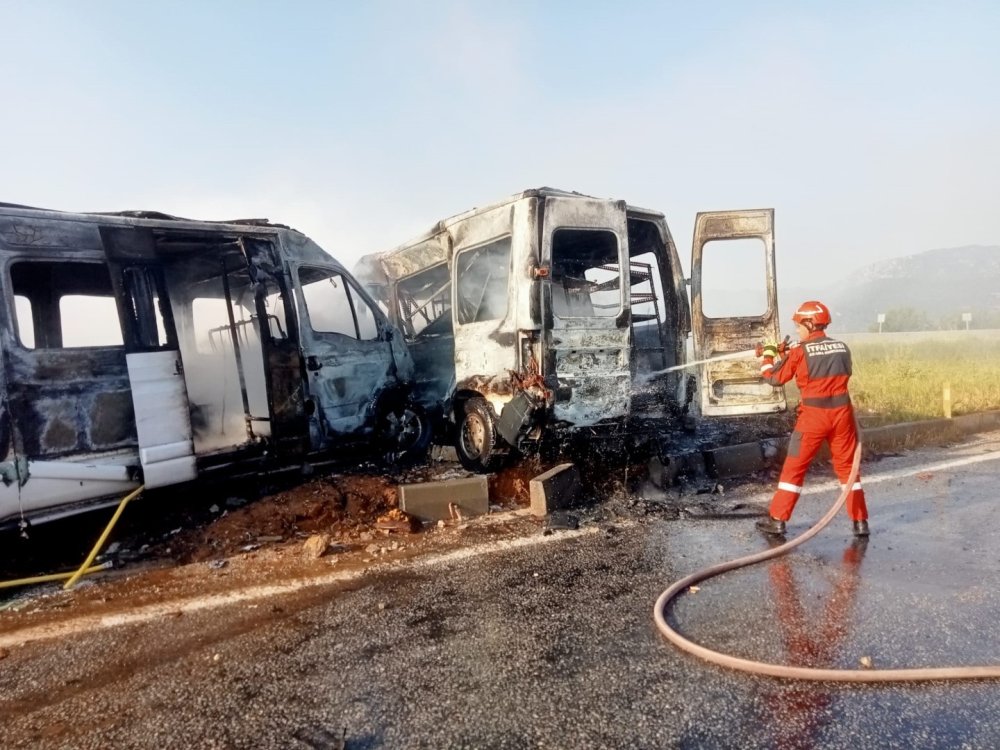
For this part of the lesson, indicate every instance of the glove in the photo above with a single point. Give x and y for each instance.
(769, 349)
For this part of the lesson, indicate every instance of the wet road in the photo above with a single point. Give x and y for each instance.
(553, 645)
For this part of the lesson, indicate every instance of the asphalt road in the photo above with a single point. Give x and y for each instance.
(552, 645)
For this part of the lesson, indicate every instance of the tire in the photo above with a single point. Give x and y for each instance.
(406, 434)
(479, 447)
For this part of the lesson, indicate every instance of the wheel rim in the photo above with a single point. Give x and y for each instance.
(473, 436)
(409, 429)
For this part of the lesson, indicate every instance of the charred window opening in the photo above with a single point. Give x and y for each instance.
(586, 276)
(379, 293)
(211, 318)
(734, 278)
(209, 280)
(481, 277)
(425, 303)
(653, 313)
(146, 313)
(333, 306)
(64, 304)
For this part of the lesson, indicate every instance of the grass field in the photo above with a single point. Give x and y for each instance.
(901, 382)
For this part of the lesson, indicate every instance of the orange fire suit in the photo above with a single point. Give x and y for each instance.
(821, 367)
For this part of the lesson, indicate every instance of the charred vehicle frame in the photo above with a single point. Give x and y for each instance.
(552, 314)
(138, 347)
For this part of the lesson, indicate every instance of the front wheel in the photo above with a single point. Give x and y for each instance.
(406, 432)
(478, 445)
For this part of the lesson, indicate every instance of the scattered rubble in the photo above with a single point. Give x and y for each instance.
(316, 546)
(347, 519)
(561, 520)
(397, 520)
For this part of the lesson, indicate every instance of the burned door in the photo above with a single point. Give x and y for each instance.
(152, 354)
(481, 307)
(423, 309)
(586, 328)
(278, 334)
(734, 306)
(237, 338)
(346, 343)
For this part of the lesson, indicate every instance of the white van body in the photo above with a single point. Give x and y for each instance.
(553, 313)
(140, 348)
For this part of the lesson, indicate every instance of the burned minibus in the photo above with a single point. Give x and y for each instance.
(141, 348)
(553, 313)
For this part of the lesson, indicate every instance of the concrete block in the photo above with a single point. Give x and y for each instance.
(555, 489)
(734, 460)
(979, 422)
(429, 501)
(664, 471)
(908, 434)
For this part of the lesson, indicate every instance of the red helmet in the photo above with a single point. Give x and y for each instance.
(814, 311)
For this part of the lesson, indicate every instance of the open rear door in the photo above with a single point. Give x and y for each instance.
(730, 248)
(156, 374)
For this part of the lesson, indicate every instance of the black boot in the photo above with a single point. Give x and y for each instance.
(860, 528)
(772, 525)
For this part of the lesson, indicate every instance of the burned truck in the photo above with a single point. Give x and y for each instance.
(553, 314)
(139, 347)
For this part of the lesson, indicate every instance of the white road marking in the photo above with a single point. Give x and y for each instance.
(868, 479)
(151, 612)
(255, 593)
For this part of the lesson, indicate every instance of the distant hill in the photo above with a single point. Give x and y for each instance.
(916, 292)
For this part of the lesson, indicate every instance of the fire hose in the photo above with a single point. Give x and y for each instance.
(788, 671)
(86, 568)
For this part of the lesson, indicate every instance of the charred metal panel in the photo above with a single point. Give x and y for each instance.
(52, 489)
(592, 377)
(283, 365)
(66, 402)
(27, 233)
(419, 306)
(589, 352)
(410, 260)
(519, 416)
(481, 352)
(526, 288)
(5, 431)
(113, 420)
(344, 377)
(350, 356)
(491, 386)
(162, 417)
(295, 246)
(59, 401)
(593, 399)
(733, 224)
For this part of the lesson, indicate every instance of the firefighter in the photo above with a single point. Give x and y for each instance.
(821, 367)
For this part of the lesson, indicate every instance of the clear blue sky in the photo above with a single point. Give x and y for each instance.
(872, 128)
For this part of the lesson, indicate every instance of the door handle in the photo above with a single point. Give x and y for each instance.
(312, 363)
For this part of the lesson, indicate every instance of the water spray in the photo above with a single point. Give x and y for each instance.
(718, 358)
